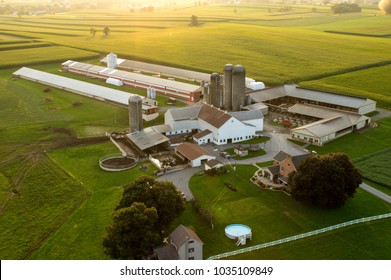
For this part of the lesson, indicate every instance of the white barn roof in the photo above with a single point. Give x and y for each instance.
(133, 77)
(297, 92)
(75, 86)
(165, 70)
(147, 138)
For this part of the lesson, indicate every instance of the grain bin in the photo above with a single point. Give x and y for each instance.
(135, 113)
(238, 87)
(228, 86)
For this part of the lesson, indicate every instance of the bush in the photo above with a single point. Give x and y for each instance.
(345, 8)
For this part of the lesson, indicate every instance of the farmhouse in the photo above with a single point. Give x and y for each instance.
(283, 165)
(214, 125)
(194, 154)
(165, 86)
(183, 244)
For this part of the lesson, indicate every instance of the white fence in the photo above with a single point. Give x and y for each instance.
(299, 236)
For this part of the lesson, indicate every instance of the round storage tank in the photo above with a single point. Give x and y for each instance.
(215, 94)
(112, 60)
(135, 113)
(228, 86)
(238, 87)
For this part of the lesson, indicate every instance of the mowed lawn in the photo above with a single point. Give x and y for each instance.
(271, 215)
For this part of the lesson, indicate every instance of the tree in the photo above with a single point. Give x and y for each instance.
(385, 5)
(146, 208)
(106, 31)
(131, 234)
(93, 31)
(194, 21)
(325, 180)
(345, 8)
(163, 196)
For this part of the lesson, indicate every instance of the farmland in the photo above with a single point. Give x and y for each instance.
(55, 201)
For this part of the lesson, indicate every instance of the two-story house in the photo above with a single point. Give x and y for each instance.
(183, 244)
(283, 165)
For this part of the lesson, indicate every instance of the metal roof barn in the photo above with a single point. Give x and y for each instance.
(76, 86)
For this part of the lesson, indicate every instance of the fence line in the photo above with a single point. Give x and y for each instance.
(299, 236)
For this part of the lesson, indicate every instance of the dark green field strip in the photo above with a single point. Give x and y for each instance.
(23, 46)
(359, 34)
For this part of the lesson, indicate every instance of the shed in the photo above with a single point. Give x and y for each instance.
(195, 154)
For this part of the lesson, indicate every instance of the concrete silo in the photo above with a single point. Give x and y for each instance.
(238, 87)
(112, 60)
(135, 113)
(215, 92)
(228, 86)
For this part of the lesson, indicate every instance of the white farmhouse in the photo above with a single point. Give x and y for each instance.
(214, 125)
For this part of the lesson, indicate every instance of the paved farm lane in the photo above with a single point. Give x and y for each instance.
(376, 192)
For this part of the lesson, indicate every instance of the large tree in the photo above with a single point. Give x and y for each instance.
(325, 180)
(132, 234)
(163, 196)
(147, 207)
(385, 5)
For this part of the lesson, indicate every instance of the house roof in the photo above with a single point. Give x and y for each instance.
(296, 159)
(280, 156)
(167, 252)
(275, 169)
(298, 92)
(181, 235)
(192, 151)
(212, 163)
(202, 133)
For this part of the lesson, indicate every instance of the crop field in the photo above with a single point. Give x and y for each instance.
(55, 201)
(369, 83)
(12, 58)
(376, 167)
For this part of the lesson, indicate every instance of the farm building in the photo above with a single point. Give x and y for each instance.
(214, 125)
(157, 69)
(90, 90)
(165, 86)
(194, 154)
(292, 94)
(331, 124)
(213, 164)
(283, 165)
(183, 244)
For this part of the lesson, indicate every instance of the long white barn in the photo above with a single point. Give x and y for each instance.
(213, 125)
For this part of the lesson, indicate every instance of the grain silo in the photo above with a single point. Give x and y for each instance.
(228, 86)
(238, 87)
(215, 92)
(135, 113)
(112, 61)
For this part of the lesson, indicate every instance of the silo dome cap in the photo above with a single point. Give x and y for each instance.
(215, 75)
(239, 69)
(134, 98)
(228, 67)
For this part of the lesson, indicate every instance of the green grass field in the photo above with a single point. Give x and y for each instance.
(55, 204)
(275, 215)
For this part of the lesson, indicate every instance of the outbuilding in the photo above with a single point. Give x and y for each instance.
(194, 154)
